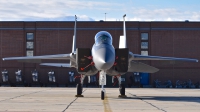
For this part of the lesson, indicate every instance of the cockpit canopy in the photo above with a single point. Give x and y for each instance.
(103, 37)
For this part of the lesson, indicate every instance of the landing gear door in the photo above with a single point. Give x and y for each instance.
(121, 59)
(82, 56)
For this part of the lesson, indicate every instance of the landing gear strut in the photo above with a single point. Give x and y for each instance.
(102, 82)
(79, 87)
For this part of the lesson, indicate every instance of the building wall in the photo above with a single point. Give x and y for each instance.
(174, 39)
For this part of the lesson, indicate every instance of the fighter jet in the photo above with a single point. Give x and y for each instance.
(102, 58)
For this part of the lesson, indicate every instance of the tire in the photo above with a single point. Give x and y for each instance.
(102, 95)
(122, 89)
(79, 89)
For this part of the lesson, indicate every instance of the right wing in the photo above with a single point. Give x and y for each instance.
(37, 59)
(141, 67)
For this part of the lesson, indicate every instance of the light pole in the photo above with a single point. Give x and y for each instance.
(105, 16)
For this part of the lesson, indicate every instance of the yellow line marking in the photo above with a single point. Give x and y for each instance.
(106, 104)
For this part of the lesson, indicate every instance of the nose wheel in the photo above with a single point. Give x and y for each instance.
(102, 95)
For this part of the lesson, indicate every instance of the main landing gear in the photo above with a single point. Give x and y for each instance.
(122, 90)
(79, 87)
(79, 90)
(121, 87)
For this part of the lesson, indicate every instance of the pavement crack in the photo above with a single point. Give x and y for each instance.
(72, 102)
(147, 102)
(22, 95)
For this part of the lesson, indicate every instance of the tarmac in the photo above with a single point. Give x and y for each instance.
(63, 99)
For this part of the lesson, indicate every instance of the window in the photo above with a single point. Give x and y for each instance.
(144, 44)
(29, 44)
(145, 53)
(29, 53)
(144, 36)
(29, 36)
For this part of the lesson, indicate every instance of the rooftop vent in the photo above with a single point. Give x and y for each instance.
(186, 20)
(101, 21)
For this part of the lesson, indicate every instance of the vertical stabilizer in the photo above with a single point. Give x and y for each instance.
(74, 37)
(122, 40)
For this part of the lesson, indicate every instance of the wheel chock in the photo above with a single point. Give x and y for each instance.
(122, 96)
(79, 96)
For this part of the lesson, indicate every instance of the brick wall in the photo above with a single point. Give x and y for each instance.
(176, 39)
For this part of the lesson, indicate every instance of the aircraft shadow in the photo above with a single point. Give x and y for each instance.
(166, 98)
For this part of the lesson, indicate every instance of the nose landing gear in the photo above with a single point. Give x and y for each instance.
(102, 82)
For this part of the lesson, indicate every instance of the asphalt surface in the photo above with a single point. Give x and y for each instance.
(63, 99)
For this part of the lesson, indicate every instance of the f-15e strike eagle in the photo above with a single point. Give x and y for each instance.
(103, 58)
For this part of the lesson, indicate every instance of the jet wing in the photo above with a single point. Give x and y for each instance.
(37, 59)
(141, 67)
(56, 64)
(142, 57)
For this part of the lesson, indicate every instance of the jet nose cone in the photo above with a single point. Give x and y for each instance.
(105, 62)
(105, 59)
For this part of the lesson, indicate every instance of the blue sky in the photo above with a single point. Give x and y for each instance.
(94, 10)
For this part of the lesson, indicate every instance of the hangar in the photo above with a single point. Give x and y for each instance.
(173, 39)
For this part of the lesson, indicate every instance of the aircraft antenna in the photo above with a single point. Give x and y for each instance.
(105, 16)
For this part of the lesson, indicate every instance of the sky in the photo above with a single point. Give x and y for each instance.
(94, 10)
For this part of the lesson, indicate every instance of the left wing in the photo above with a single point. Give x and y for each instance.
(142, 57)
(57, 64)
(37, 59)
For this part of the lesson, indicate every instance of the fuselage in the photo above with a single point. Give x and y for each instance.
(103, 52)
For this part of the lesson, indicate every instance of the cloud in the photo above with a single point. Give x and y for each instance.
(167, 14)
(63, 18)
(46, 9)
(89, 10)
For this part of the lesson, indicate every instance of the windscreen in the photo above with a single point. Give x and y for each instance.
(103, 37)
